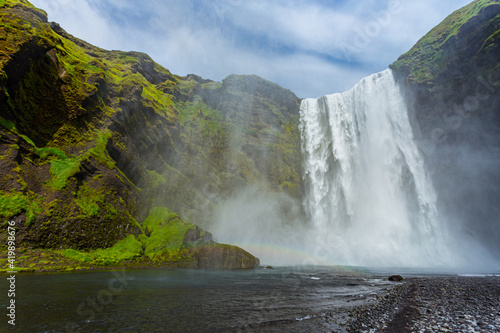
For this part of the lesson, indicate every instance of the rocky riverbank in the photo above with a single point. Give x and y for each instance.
(437, 304)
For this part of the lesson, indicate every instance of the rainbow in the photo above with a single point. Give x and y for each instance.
(281, 255)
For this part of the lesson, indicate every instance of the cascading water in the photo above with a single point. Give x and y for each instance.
(367, 191)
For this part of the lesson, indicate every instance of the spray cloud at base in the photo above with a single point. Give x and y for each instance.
(270, 225)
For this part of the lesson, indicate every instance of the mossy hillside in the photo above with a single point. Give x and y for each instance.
(128, 248)
(264, 119)
(228, 139)
(239, 129)
(13, 203)
(58, 90)
(161, 241)
(455, 40)
(455, 63)
(457, 60)
(164, 231)
(166, 240)
(101, 136)
(451, 79)
(196, 150)
(14, 29)
(41, 190)
(42, 81)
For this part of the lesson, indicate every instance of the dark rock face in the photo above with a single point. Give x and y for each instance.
(224, 257)
(452, 83)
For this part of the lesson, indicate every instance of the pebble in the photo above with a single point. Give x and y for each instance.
(437, 304)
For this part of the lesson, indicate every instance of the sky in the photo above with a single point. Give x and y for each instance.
(313, 47)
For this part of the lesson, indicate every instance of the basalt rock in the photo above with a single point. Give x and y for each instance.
(222, 256)
(451, 79)
(396, 278)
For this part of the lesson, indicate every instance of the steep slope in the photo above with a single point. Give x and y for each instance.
(452, 80)
(91, 140)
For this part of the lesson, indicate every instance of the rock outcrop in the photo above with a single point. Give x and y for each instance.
(452, 81)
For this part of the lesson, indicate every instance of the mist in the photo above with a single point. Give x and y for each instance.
(270, 225)
(465, 165)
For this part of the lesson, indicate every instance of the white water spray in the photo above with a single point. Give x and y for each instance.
(367, 192)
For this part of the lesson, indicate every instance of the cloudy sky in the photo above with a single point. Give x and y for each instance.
(313, 47)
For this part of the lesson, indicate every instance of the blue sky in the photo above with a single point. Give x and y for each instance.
(310, 47)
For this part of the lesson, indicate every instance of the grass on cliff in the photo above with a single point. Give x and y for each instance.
(7, 124)
(427, 57)
(88, 199)
(12, 203)
(162, 241)
(165, 231)
(61, 169)
(125, 249)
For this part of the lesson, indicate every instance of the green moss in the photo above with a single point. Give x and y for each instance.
(211, 86)
(157, 99)
(88, 200)
(156, 179)
(203, 125)
(424, 60)
(24, 3)
(61, 170)
(13, 203)
(99, 151)
(63, 167)
(50, 151)
(7, 124)
(163, 242)
(125, 249)
(166, 230)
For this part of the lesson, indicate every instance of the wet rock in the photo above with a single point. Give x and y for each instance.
(197, 236)
(223, 256)
(396, 278)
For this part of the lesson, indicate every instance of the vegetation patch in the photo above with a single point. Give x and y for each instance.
(99, 150)
(125, 249)
(7, 124)
(13, 203)
(61, 170)
(164, 231)
(429, 56)
(162, 240)
(88, 200)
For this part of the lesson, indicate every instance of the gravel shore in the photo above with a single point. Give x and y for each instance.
(436, 304)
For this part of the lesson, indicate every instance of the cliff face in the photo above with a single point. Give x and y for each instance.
(452, 81)
(91, 140)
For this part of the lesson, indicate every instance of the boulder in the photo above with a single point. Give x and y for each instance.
(396, 278)
(223, 256)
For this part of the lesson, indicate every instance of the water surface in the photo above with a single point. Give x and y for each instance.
(261, 300)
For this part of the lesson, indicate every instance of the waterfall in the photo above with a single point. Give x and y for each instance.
(368, 195)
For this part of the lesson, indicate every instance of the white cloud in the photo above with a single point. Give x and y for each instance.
(206, 39)
(83, 20)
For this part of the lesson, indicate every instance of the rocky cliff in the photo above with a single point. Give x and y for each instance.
(452, 81)
(95, 144)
